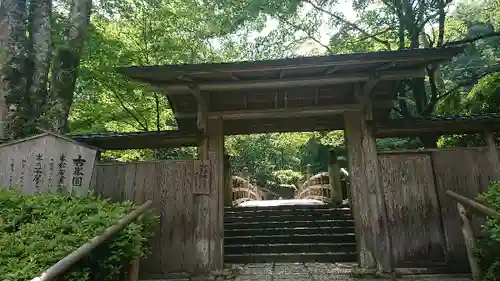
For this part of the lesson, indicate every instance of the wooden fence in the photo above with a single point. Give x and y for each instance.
(424, 223)
(189, 235)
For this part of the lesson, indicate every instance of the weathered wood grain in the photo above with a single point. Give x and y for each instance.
(188, 241)
(182, 240)
(466, 172)
(492, 155)
(214, 136)
(413, 212)
(201, 204)
(367, 197)
(470, 242)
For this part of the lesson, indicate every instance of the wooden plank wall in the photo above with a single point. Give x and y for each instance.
(424, 222)
(412, 210)
(172, 186)
(466, 172)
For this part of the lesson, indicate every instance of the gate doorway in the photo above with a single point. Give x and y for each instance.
(340, 92)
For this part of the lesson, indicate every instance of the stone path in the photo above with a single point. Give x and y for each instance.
(314, 272)
(300, 272)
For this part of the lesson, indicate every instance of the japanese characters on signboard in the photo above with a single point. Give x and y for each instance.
(47, 163)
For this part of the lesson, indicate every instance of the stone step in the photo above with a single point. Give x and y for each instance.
(290, 248)
(292, 238)
(291, 257)
(289, 224)
(293, 207)
(232, 232)
(265, 211)
(287, 217)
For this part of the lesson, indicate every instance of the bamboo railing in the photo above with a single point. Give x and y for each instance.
(64, 264)
(465, 207)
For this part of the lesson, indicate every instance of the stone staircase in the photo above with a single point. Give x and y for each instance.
(289, 234)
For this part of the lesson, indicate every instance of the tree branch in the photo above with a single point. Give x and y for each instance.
(399, 111)
(145, 127)
(472, 40)
(354, 26)
(375, 34)
(489, 70)
(328, 49)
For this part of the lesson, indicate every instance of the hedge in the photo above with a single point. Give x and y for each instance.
(36, 231)
(489, 246)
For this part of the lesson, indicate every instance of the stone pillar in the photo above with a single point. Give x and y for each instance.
(334, 177)
(309, 171)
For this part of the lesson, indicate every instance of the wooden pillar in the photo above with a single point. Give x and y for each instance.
(98, 156)
(334, 177)
(367, 196)
(228, 182)
(492, 155)
(215, 137)
(209, 206)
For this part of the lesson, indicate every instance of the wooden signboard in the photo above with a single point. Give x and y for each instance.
(47, 162)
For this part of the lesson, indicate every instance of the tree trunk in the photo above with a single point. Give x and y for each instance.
(429, 140)
(15, 107)
(39, 54)
(65, 67)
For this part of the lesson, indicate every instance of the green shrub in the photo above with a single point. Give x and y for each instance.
(489, 246)
(37, 231)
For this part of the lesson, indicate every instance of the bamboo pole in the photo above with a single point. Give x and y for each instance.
(133, 271)
(61, 266)
(470, 242)
(468, 232)
(479, 208)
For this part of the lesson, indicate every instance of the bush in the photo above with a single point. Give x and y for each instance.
(37, 231)
(489, 246)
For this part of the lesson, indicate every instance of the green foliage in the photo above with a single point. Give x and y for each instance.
(489, 247)
(484, 96)
(37, 231)
(286, 176)
(398, 143)
(147, 32)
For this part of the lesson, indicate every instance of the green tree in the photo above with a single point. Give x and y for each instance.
(28, 63)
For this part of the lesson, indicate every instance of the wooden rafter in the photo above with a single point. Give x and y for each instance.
(279, 112)
(176, 89)
(285, 112)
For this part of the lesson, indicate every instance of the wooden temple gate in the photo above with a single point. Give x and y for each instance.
(304, 94)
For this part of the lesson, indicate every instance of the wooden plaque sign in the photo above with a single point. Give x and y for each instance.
(47, 162)
(202, 177)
